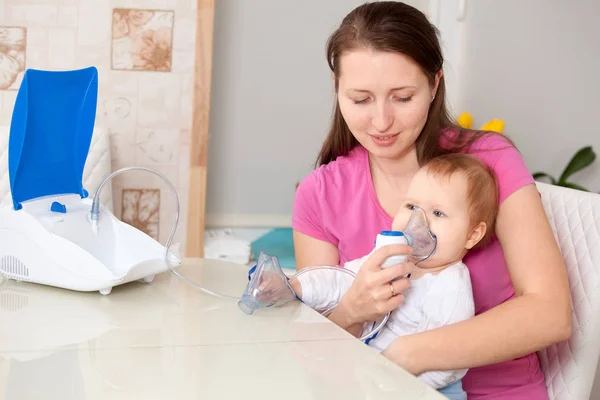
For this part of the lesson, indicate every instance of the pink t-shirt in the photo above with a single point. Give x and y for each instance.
(337, 204)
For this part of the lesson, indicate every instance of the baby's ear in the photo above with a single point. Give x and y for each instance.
(476, 235)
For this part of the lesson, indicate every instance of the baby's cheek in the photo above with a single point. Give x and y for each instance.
(444, 237)
(452, 242)
(400, 220)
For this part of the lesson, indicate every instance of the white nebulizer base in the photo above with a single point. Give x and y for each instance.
(65, 250)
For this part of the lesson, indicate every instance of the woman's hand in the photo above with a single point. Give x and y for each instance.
(373, 294)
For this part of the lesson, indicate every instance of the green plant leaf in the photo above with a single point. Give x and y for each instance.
(539, 175)
(580, 160)
(573, 186)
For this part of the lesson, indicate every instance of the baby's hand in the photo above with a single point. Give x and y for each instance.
(270, 282)
(273, 286)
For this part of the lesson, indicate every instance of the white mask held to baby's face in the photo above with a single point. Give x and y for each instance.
(445, 204)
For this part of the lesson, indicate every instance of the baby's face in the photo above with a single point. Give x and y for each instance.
(444, 201)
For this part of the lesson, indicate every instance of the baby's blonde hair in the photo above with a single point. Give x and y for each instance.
(482, 189)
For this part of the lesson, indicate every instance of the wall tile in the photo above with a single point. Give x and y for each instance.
(104, 86)
(123, 148)
(13, 43)
(184, 137)
(120, 112)
(93, 28)
(183, 62)
(47, 2)
(184, 32)
(167, 212)
(97, 56)
(37, 57)
(159, 99)
(167, 220)
(142, 39)
(61, 37)
(67, 16)
(187, 96)
(157, 146)
(143, 179)
(152, 4)
(124, 82)
(32, 14)
(141, 209)
(37, 36)
(184, 163)
(62, 48)
(8, 102)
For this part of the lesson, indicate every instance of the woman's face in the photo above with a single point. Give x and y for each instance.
(384, 98)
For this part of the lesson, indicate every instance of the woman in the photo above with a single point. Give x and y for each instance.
(390, 117)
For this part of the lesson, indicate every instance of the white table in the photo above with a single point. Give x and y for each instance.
(168, 340)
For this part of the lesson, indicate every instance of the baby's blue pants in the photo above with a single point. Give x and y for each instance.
(454, 391)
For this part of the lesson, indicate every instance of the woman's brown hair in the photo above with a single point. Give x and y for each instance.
(393, 27)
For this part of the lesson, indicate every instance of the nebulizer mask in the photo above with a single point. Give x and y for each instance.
(269, 286)
(416, 234)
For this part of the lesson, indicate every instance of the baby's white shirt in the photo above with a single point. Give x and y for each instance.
(432, 301)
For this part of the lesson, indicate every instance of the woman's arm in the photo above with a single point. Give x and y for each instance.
(312, 252)
(539, 315)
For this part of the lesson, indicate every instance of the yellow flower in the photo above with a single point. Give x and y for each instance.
(465, 120)
(494, 125)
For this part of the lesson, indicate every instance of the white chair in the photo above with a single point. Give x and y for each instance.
(97, 166)
(570, 366)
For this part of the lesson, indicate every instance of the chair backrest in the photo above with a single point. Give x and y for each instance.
(570, 366)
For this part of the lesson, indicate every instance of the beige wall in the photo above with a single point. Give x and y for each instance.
(535, 64)
(145, 62)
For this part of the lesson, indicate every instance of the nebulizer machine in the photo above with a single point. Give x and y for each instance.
(55, 235)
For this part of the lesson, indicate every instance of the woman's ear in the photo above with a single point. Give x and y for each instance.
(476, 235)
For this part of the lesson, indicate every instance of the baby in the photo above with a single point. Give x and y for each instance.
(458, 195)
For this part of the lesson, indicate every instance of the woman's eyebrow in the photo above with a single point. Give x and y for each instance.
(402, 88)
(358, 90)
(391, 90)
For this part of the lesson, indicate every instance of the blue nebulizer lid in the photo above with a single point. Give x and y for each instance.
(50, 133)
